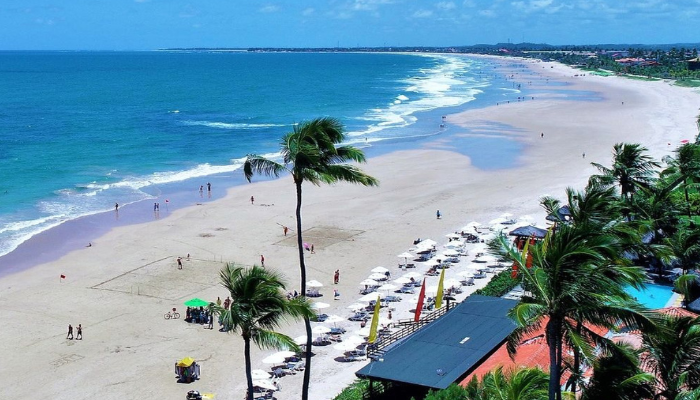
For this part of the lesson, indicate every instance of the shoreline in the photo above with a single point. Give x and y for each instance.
(71, 235)
(119, 288)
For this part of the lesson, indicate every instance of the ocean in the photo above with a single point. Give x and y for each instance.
(81, 131)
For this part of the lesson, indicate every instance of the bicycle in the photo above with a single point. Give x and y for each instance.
(174, 314)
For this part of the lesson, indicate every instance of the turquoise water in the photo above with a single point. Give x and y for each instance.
(653, 296)
(80, 131)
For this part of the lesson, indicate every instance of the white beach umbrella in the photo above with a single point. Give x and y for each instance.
(453, 236)
(319, 305)
(264, 384)
(451, 253)
(486, 258)
(478, 248)
(388, 286)
(369, 282)
(431, 289)
(377, 276)
(364, 331)
(320, 330)
(402, 280)
(405, 255)
(526, 219)
(380, 270)
(349, 345)
(286, 353)
(332, 319)
(372, 296)
(497, 222)
(453, 244)
(300, 340)
(414, 275)
(428, 242)
(467, 273)
(452, 283)
(273, 359)
(314, 283)
(431, 263)
(506, 215)
(260, 374)
(357, 306)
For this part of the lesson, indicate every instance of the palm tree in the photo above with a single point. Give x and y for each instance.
(258, 306)
(521, 384)
(684, 169)
(671, 354)
(616, 376)
(570, 281)
(311, 153)
(684, 248)
(631, 168)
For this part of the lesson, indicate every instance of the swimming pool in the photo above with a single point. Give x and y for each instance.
(653, 296)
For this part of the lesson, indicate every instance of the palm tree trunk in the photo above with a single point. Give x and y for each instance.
(307, 322)
(553, 359)
(687, 199)
(577, 361)
(248, 368)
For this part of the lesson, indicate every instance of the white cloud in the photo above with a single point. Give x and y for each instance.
(308, 12)
(446, 5)
(422, 14)
(270, 8)
(368, 5)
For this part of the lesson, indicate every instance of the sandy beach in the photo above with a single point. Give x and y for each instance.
(120, 287)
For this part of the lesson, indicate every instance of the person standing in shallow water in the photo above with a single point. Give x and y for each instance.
(438, 214)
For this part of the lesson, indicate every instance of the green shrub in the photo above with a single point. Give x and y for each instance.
(354, 391)
(501, 284)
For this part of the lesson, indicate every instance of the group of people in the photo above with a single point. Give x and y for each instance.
(199, 316)
(79, 332)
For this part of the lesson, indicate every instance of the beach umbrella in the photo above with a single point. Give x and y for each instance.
(380, 270)
(402, 280)
(300, 340)
(320, 329)
(314, 283)
(388, 286)
(260, 374)
(526, 219)
(196, 303)
(274, 359)
(377, 276)
(496, 222)
(486, 258)
(357, 306)
(431, 289)
(431, 263)
(369, 282)
(285, 353)
(371, 296)
(529, 231)
(332, 319)
(453, 236)
(349, 344)
(364, 331)
(506, 215)
(467, 273)
(449, 283)
(319, 305)
(264, 384)
(428, 242)
(414, 275)
(453, 244)
(451, 253)
(405, 255)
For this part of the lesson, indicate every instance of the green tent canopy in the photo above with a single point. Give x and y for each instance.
(196, 302)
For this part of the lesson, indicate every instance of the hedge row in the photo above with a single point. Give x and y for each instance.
(501, 284)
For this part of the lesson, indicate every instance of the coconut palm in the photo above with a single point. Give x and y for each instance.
(684, 169)
(520, 384)
(631, 168)
(313, 153)
(570, 281)
(259, 305)
(671, 354)
(616, 376)
(684, 248)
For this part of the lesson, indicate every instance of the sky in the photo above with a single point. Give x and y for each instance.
(154, 24)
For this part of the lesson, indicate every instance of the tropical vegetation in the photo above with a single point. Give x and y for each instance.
(313, 152)
(258, 307)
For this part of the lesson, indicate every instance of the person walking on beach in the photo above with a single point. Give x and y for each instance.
(312, 249)
(79, 335)
(252, 200)
(116, 207)
(285, 229)
(70, 332)
(438, 214)
(179, 263)
(336, 276)
(262, 260)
